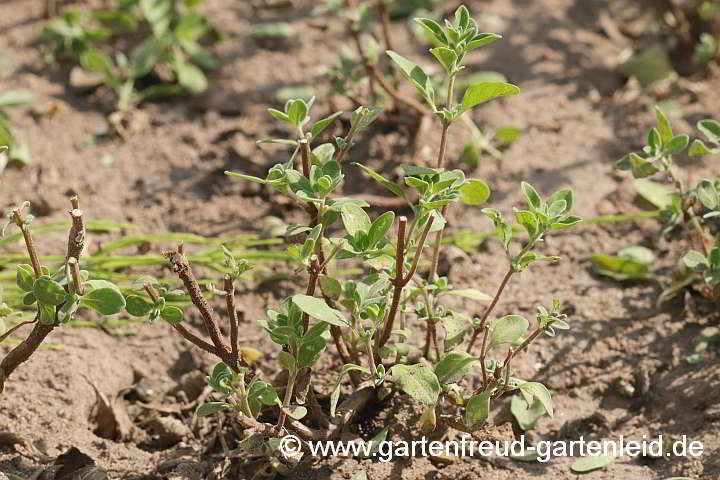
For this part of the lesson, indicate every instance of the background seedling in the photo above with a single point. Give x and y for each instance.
(16, 151)
(160, 40)
(679, 205)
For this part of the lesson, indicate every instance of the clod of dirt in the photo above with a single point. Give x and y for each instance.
(110, 418)
(167, 431)
(595, 424)
(145, 391)
(9, 439)
(187, 471)
(81, 79)
(73, 465)
(191, 383)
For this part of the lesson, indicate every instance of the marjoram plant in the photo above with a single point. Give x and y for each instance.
(688, 208)
(369, 318)
(57, 294)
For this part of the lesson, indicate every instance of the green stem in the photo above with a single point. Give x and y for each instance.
(286, 400)
(440, 162)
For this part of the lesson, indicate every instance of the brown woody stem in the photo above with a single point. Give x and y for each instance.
(182, 268)
(400, 281)
(384, 15)
(184, 332)
(76, 237)
(75, 274)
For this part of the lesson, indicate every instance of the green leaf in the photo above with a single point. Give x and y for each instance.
(97, 61)
(539, 391)
(287, 361)
(158, 13)
(15, 98)
(418, 381)
(711, 129)
(565, 195)
(105, 300)
(392, 186)
(529, 221)
(588, 464)
(477, 409)
(708, 194)
(297, 413)
(317, 308)
(297, 111)
(638, 253)
(321, 125)
(310, 351)
(24, 277)
(416, 76)
(172, 314)
(697, 147)
(526, 414)
(456, 326)
(66, 312)
(447, 58)
(138, 306)
(453, 367)
(246, 177)
(330, 287)
(565, 222)
(145, 56)
(335, 395)
(527, 456)
(462, 17)
(485, 91)
(656, 193)
(532, 197)
(263, 393)
(556, 208)
(474, 192)
(472, 294)
(694, 259)
(29, 299)
(677, 144)
(46, 314)
(355, 219)
(211, 407)
(482, 39)
(379, 228)
(191, 77)
(663, 126)
(373, 446)
(641, 167)
(362, 117)
(508, 329)
(649, 65)
(434, 28)
(278, 114)
(48, 291)
(619, 267)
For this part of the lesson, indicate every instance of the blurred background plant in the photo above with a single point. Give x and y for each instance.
(138, 49)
